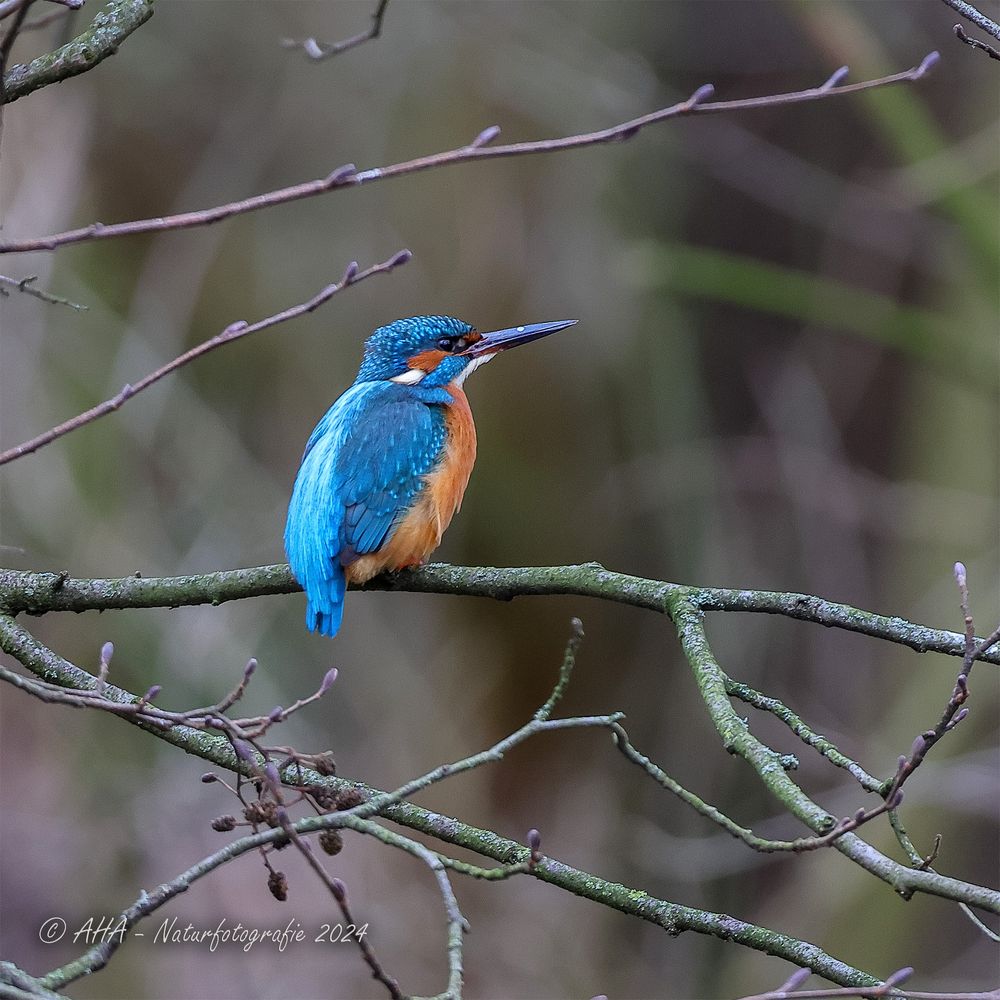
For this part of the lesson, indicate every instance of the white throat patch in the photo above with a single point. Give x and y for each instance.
(475, 363)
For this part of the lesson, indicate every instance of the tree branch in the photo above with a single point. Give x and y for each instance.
(318, 51)
(738, 739)
(979, 19)
(40, 593)
(348, 176)
(974, 42)
(672, 917)
(25, 285)
(235, 331)
(109, 29)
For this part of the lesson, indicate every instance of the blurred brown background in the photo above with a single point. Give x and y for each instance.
(784, 378)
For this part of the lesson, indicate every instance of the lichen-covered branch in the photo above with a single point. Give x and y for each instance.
(40, 593)
(673, 917)
(738, 739)
(109, 29)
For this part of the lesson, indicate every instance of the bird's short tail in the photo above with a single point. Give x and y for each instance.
(325, 617)
(316, 568)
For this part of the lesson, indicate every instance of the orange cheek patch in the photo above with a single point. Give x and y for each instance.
(427, 361)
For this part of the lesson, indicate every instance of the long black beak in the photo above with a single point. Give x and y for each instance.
(500, 340)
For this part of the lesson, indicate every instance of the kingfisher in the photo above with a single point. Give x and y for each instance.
(386, 468)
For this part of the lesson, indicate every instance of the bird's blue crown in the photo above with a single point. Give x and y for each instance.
(389, 349)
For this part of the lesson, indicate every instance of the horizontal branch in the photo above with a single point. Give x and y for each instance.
(40, 593)
(348, 176)
(109, 29)
(235, 331)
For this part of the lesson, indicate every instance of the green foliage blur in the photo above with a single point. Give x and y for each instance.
(784, 377)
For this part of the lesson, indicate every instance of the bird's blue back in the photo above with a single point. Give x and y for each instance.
(362, 468)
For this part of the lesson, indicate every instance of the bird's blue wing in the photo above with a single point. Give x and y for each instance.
(362, 467)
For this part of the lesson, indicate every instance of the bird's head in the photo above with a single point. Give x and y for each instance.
(436, 351)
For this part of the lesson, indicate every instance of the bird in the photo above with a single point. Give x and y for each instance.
(385, 469)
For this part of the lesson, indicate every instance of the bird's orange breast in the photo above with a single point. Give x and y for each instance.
(419, 533)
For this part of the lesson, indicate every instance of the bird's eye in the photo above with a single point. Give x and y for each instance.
(446, 344)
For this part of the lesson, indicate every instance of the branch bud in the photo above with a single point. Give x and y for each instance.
(328, 678)
(901, 975)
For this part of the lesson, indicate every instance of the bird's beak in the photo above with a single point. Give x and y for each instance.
(500, 340)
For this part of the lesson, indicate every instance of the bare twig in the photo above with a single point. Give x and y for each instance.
(323, 50)
(234, 331)
(348, 176)
(339, 892)
(747, 836)
(979, 19)
(26, 285)
(789, 990)
(974, 42)
(211, 718)
(954, 712)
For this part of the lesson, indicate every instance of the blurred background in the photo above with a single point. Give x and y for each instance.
(784, 377)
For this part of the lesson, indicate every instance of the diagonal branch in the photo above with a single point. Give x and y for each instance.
(478, 149)
(26, 285)
(979, 19)
(738, 739)
(234, 331)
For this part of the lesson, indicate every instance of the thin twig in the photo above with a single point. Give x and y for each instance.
(974, 42)
(25, 285)
(954, 712)
(349, 176)
(339, 892)
(235, 331)
(979, 19)
(323, 50)
(747, 836)
(789, 990)
(820, 744)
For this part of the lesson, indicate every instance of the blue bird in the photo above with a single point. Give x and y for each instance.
(385, 470)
